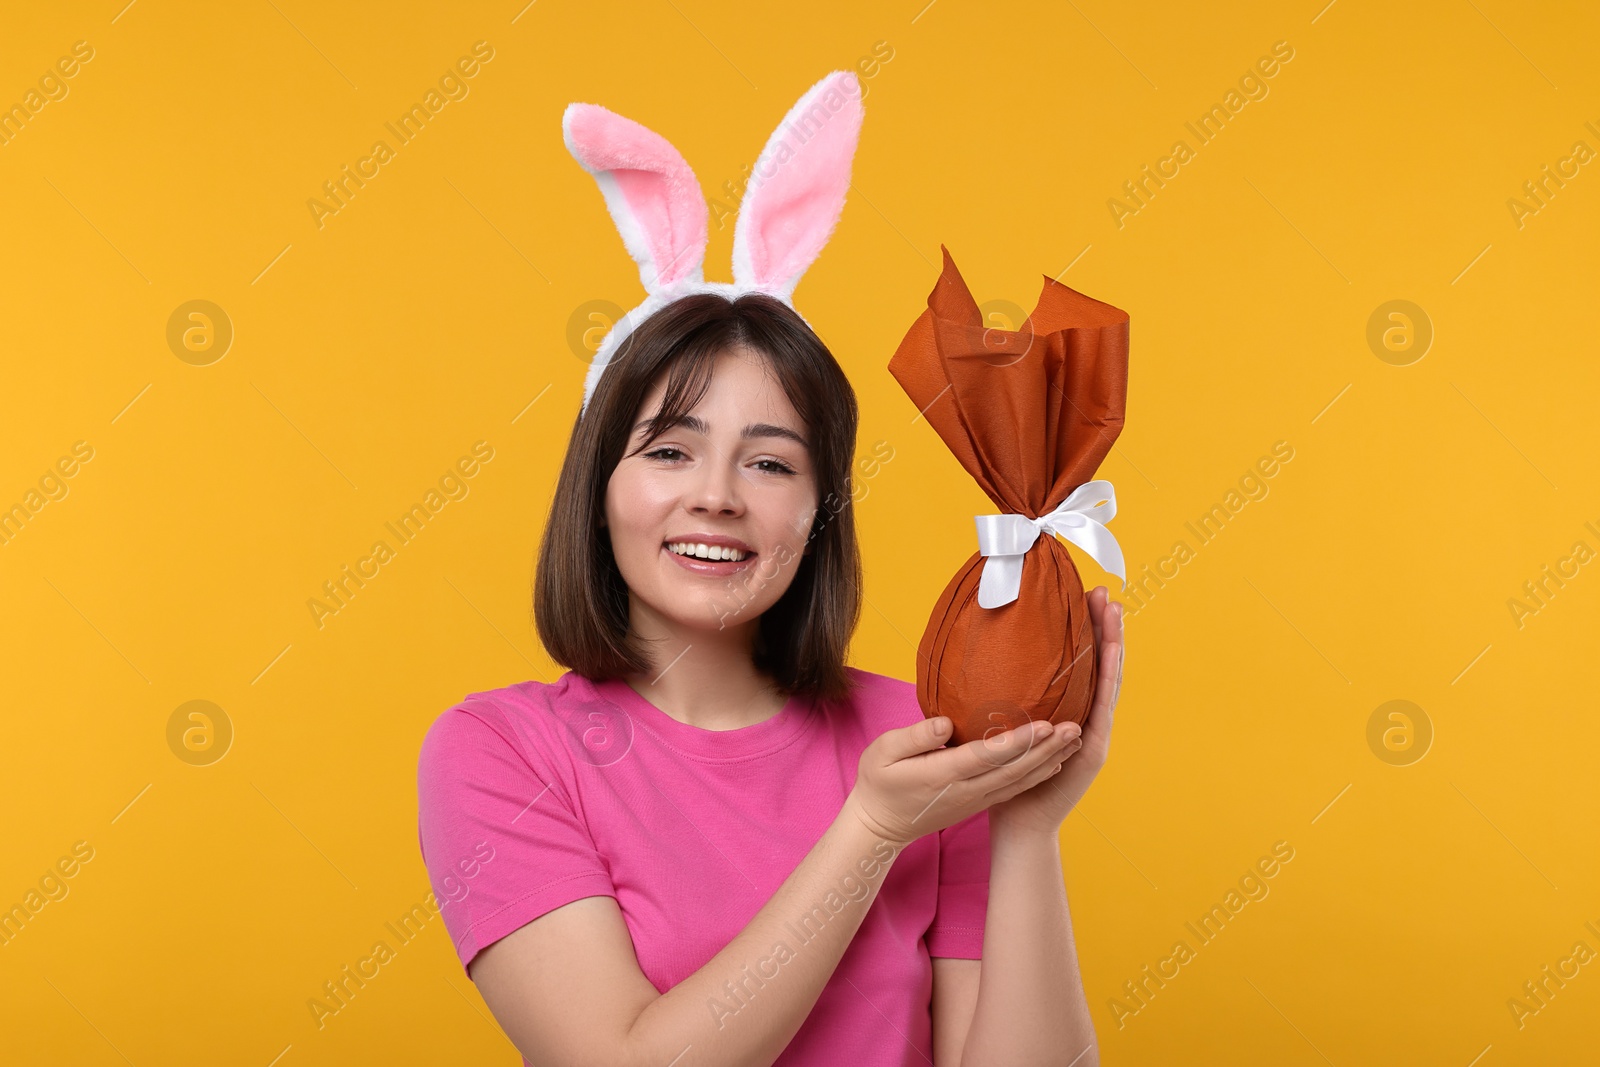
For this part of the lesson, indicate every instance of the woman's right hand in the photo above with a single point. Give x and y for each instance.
(908, 784)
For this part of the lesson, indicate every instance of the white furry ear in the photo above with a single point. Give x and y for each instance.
(653, 196)
(796, 190)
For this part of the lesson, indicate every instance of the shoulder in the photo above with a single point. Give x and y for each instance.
(887, 701)
(492, 750)
(882, 683)
(512, 720)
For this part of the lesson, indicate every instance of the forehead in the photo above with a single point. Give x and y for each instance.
(744, 387)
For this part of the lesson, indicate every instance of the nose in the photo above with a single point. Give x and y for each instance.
(718, 488)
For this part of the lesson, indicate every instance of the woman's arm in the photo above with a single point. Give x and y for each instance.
(1023, 954)
(567, 987)
(1031, 1010)
(955, 998)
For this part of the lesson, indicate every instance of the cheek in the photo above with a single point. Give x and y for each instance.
(802, 511)
(635, 508)
(793, 514)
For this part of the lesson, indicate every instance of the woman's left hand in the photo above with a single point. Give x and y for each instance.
(1044, 806)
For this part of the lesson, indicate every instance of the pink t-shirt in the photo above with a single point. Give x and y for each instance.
(534, 795)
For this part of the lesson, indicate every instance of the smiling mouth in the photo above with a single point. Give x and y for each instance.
(707, 553)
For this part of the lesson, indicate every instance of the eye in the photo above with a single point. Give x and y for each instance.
(660, 452)
(782, 467)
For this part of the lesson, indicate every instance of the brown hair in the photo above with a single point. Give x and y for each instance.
(580, 601)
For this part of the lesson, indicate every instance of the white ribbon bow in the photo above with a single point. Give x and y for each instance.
(1003, 540)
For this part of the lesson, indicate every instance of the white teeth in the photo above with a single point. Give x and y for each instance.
(699, 551)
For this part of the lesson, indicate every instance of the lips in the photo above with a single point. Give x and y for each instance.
(703, 537)
(710, 567)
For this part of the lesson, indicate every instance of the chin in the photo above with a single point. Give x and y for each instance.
(711, 619)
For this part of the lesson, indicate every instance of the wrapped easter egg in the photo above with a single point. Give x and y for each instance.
(1030, 414)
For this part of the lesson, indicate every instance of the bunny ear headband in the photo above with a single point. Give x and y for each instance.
(790, 205)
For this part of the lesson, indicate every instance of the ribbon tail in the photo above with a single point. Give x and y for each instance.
(1083, 500)
(1101, 545)
(1000, 582)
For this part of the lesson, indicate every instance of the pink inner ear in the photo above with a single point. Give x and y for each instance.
(803, 174)
(649, 199)
(662, 216)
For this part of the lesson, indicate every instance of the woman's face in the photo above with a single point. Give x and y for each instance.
(735, 476)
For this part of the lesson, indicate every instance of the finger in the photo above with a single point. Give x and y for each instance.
(1122, 651)
(906, 741)
(1102, 711)
(1097, 611)
(999, 749)
(1122, 639)
(1046, 752)
(1122, 654)
(1047, 770)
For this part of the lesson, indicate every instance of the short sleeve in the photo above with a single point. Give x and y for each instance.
(957, 929)
(498, 832)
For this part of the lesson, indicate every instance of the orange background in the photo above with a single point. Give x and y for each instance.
(433, 311)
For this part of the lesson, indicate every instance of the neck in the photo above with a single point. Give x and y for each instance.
(705, 678)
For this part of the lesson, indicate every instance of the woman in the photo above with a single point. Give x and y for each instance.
(711, 841)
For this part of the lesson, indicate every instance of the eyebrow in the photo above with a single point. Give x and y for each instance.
(750, 432)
